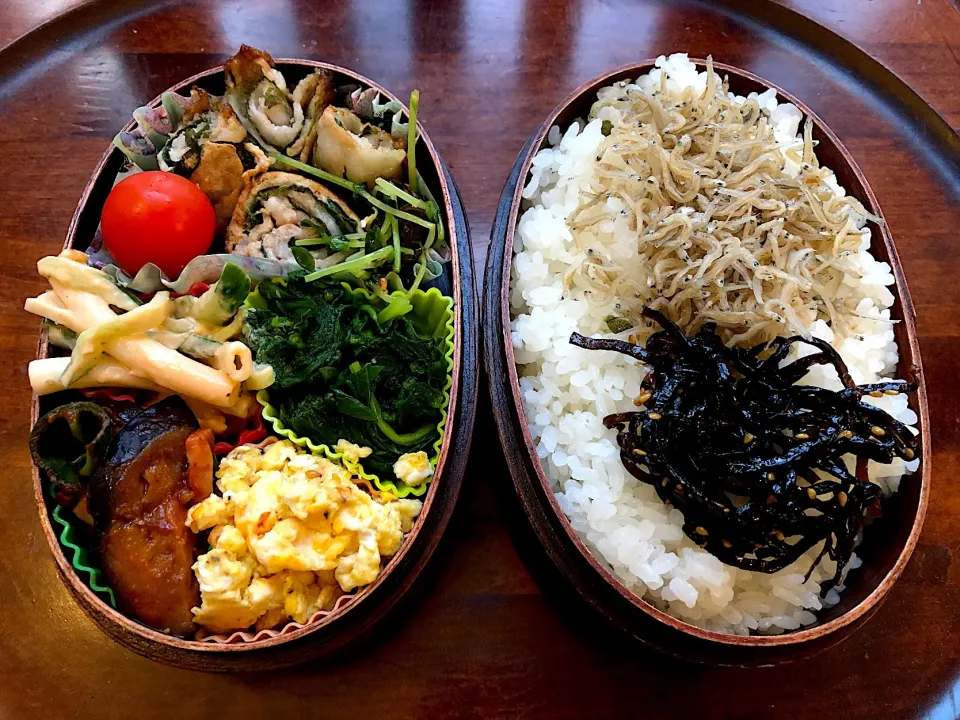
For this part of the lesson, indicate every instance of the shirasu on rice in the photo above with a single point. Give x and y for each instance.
(733, 225)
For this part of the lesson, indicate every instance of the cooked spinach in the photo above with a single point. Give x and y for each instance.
(346, 369)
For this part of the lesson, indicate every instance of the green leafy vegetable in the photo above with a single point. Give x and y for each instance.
(411, 225)
(424, 264)
(349, 368)
(346, 184)
(60, 336)
(376, 238)
(304, 258)
(343, 220)
(392, 191)
(281, 159)
(336, 243)
(397, 255)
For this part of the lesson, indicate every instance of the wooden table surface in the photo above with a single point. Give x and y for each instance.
(481, 639)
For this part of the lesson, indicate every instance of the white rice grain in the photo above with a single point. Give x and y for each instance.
(567, 391)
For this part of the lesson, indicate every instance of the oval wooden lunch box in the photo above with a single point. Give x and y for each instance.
(570, 565)
(373, 604)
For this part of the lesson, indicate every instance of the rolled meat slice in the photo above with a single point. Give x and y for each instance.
(279, 208)
(279, 119)
(211, 147)
(349, 147)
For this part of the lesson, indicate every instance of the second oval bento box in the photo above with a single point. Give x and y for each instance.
(381, 602)
(588, 580)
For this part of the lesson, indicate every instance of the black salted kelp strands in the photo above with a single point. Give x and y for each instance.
(753, 461)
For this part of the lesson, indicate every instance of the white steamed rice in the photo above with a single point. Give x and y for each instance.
(567, 391)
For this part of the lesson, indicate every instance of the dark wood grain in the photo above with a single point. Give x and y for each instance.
(22, 16)
(482, 640)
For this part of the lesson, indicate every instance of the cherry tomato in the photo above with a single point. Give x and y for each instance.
(157, 217)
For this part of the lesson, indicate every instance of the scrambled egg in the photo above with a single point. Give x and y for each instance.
(352, 453)
(413, 468)
(292, 532)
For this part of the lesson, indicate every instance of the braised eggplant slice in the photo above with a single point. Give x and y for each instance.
(69, 443)
(139, 499)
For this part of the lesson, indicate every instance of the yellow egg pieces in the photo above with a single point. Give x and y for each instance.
(291, 533)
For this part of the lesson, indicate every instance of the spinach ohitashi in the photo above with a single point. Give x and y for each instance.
(348, 367)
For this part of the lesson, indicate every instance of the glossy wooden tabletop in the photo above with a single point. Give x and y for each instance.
(482, 639)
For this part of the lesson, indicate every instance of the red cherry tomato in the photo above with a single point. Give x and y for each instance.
(157, 217)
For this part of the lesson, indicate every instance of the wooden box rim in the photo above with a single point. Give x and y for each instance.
(632, 71)
(105, 615)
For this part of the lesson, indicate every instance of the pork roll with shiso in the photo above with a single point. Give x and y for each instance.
(685, 216)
